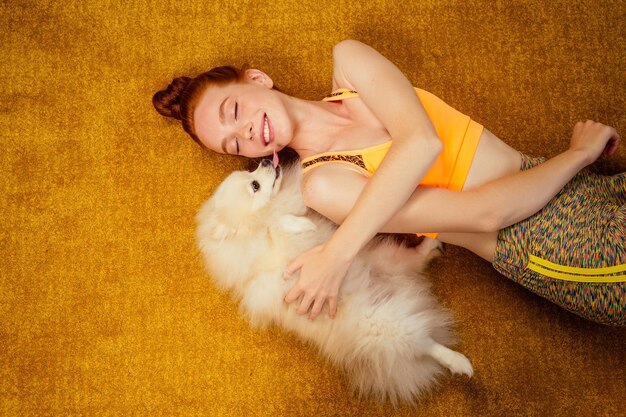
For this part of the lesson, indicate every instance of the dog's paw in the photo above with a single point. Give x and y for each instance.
(457, 363)
(429, 248)
(296, 224)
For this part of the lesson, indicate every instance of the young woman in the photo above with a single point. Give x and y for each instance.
(571, 252)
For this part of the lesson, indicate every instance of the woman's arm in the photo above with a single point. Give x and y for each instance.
(333, 190)
(392, 99)
(487, 208)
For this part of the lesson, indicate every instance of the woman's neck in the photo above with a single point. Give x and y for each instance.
(317, 124)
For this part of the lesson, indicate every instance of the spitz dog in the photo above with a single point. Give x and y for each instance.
(389, 334)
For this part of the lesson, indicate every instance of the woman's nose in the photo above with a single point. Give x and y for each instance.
(245, 131)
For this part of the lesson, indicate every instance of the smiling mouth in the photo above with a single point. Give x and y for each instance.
(267, 137)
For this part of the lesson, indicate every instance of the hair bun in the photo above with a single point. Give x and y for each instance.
(167, 102)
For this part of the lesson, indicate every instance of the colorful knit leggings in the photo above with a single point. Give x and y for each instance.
(573, 251)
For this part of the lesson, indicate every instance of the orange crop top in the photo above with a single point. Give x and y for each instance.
(460, 136)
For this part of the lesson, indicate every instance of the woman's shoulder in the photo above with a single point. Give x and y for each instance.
(332, 190)
(345, 53)
(328, 180)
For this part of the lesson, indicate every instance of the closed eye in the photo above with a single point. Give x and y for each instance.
(236, 117)
(233, 147)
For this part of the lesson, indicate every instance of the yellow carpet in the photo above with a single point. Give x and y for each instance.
(105, 308)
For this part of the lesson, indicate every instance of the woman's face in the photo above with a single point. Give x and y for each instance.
(243, 118)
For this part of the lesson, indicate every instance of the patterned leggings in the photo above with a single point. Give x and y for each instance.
(573, 251)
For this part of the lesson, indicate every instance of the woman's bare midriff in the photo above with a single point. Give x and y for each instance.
(493, 159)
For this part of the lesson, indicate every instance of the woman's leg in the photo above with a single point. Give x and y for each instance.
(573, 252)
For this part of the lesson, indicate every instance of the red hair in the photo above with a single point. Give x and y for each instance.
(181, 96)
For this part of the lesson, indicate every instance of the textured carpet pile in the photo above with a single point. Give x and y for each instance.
(105, 308)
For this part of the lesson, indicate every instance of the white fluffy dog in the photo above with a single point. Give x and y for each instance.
(388, 333)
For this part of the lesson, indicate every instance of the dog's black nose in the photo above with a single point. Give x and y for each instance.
(266, 163)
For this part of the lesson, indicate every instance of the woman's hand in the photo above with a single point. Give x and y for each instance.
(321, 275)
(594, 139)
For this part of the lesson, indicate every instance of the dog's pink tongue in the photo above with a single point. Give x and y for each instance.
(275, 159)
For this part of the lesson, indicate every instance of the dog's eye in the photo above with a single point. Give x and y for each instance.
(255, 186)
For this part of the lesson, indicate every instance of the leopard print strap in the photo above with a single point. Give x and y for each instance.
(340, 93)
(351, 159)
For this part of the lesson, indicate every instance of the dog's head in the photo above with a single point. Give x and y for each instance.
(239, 202)
(253, 221)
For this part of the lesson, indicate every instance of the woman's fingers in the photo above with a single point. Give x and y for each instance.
(612, 146)
(332, 307)
(304, 305)
(293, 294)
(317, 308)
(294, 266)
(314, 304)
(594, 139)
(298, 261)
(318, 282)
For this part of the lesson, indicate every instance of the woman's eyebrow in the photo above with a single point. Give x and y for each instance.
(222, 110)
(222, 121)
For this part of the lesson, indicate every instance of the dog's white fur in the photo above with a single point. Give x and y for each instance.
(389, 332)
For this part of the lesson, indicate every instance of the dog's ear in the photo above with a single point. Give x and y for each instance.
(295, 224)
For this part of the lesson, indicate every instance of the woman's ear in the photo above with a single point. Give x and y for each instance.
(259, 77)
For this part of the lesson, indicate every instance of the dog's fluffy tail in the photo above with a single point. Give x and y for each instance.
(395, 373)
(388, 351)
